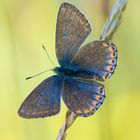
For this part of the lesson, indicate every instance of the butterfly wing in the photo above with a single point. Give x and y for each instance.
(83, 97)
(71, 31)
(44, 100)
(98, 58)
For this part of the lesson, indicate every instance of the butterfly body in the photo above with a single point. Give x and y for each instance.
(82, 69)
(74, 73)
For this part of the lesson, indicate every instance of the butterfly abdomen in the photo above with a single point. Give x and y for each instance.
(64, 72)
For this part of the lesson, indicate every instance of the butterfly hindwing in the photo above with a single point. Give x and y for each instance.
(83, 97)
(44, 100)
(99, 58)
(71, 31)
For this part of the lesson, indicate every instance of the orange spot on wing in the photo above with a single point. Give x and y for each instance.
(78, 111)
(111, 49)
(95, 103)
(110, 62)
(98, 97)
(109, 68)
(113, 55)
(90, 109)
(87, 111)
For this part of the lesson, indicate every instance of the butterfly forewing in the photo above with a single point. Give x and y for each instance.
(71, 31)
(98, 58)
(44, 100)
(83, 97)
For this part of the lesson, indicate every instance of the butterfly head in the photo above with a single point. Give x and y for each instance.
(56, 70)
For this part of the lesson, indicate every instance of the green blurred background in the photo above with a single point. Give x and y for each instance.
(27, 24)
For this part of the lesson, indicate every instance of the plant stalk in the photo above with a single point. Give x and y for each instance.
(108, 31)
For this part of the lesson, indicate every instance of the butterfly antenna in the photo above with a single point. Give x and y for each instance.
(37, 74)
(48, 55)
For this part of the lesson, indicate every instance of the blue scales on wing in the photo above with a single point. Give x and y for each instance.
(98, 59)
(71, 30)
(83, 97)
(44, 100)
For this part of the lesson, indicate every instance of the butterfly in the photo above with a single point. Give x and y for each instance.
(82, 69)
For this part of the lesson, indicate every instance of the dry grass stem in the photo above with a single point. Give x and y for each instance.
(109, 29)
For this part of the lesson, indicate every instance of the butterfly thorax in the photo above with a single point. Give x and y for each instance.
(65, 72)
